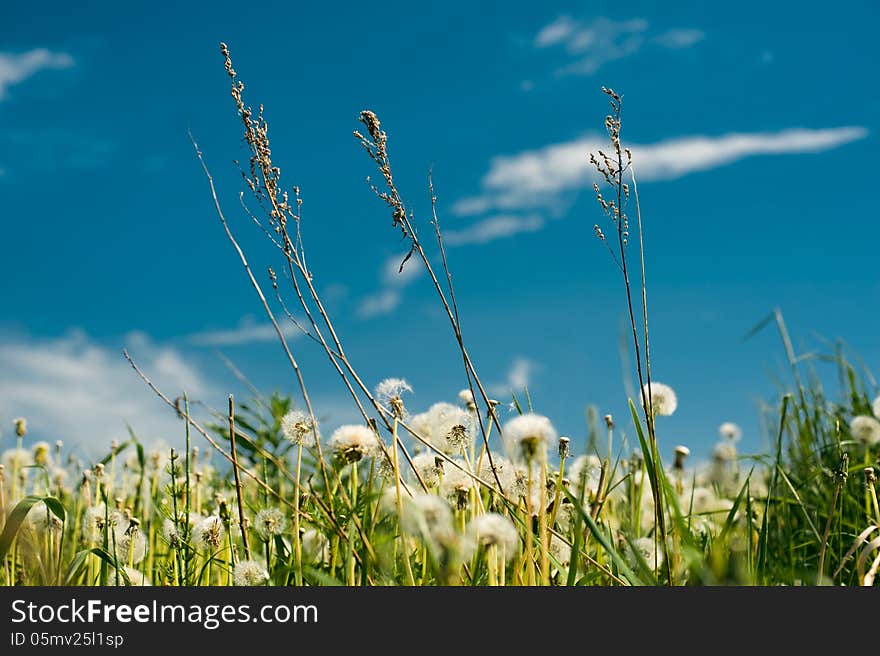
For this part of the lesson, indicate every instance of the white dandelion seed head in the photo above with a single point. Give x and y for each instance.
(170, 532)
(875, 407)
(725, 451)
(60, 476)
(208, 533)
(16, 459)
(353, 442)
(865, 429)
(567, 515)
(429, 516)
(295, 425)
(158, 458)
(645, 548)
(389, 394)
(467, 398)
(135, 577)
(730, 431)
(701, 500)
(515, 480)
(506, 471)
(584, 471)
(560, 550)
(492, 529)
(42, 519)
(249, 573)
(270, 522)
(131, 545)
(95, 519)
(456, 484)
(316, 546)
(447, 427)
(663, 399)
(425, 464)
(526, 437)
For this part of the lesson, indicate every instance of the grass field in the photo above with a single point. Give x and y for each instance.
(461, 494)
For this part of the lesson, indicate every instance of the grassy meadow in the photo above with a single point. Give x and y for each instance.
(462, 493)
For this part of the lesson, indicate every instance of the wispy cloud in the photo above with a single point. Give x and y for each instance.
(395, 276)
(16, 68)
(589, 45)
(519, 376)
(382, 302)
(492, 228)
(248, 331)
(74, 389)
(679, 38)
(543, 177)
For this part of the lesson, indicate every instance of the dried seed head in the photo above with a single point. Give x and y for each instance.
(563, 447)
(681, 454)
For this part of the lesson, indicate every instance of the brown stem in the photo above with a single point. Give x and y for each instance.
(242, 522)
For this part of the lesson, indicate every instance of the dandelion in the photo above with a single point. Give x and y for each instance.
(514, 478)
(875, 407)
(649, 552)
(170, 533)
(584, 472)
(16, 459)
(389, 393)
(568, 513)
(208, 533)
(352, 442)
(269, 523)
(681, 454)
(730, 431)
(446, 426)
(95, 519)
(458, 438)
(865, 429)
(456, 485)
(726, 451)
(20, 424)
(249, 573)
(426, 465)
(315, 546)
(560, 550)
(41, 453)
(42, 519)
(295, 425)
(496, 530)
(131, 545)
(429, 516)
(528, 435)
(467, 399)
(663, 400)
(135, 577)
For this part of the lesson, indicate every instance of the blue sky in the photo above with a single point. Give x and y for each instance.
(753, 142)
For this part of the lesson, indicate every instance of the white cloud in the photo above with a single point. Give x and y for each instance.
(592, 44)
(539, 178)
(679, 38)
(519, 376)
(16, 68)
(392, 274)
(493, 227)
(556, 32)
(74, 389)
(248, 331)
(393, 281)
(382, 302)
